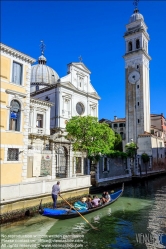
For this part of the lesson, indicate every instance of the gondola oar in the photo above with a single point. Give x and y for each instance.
(95, 228)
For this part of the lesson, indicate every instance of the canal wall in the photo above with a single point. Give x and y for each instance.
(22, 208)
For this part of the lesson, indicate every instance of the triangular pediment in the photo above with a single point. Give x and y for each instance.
(94, 94)
(69, 85)
(81, 66)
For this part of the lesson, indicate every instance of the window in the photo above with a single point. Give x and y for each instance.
(39, 122)
(138, 103)
(122, 135)
(121, 125)
(80, 108)
(138, 121)
(115, 125)
(130, 46)
(105, 164)
(17, 73)
(13, 155)
(78, 165)
(137, 44)
(15, 116)
(37, 88)
(137, 86)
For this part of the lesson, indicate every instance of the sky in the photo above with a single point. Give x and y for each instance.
(93, 30)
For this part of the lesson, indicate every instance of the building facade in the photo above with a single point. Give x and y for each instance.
(15, 107)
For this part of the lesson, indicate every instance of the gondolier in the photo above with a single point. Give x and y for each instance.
(55, 192)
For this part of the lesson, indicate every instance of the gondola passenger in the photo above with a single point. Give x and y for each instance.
(107, 197)
(104, 200)
(89, 203)
(95, 201)
(81, 205)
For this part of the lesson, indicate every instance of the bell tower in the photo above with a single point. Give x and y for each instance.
(137, 77)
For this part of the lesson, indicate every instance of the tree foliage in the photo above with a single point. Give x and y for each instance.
(118, 142)
(145, 158)
(116, 154)
(131, 149)
(87, 134)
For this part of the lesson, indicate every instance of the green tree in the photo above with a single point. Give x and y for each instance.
(118, 142)
(131, 149)
(145, 159)
(87, 134)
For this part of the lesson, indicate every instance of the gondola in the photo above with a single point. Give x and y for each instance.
(67, 213)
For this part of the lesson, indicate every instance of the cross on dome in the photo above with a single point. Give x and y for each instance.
(42, 46)
(42, 59)
(135, 3)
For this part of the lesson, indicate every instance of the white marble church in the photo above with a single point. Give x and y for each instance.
(68, 96)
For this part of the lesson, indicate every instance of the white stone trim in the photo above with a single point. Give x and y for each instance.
(16, 54)
(8, 91)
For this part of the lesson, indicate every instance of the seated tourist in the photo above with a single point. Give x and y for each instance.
(89, 202)
(103, 197)
(81, 205)
(107, 197)
(95, 201)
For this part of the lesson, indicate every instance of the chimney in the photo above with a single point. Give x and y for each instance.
(115, 117)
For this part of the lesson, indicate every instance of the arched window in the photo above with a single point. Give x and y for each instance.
(122, 135)
(137, 44)
(15, 116)
(37, 88)
(130, 46)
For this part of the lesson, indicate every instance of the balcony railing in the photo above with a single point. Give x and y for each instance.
(36, 130)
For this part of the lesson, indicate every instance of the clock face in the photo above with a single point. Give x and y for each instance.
(80, 108)
(134, 77)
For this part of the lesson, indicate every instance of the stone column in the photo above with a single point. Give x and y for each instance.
(70, 164)
(88, 166)
(150, 162)
(52, 147)
(74, 166)
(34, 121)
(129, 165)
(97, 172)
(82, 165)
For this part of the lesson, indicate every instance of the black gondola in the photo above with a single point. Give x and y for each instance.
(66, 213)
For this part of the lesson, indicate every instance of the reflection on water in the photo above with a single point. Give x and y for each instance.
(136, 221)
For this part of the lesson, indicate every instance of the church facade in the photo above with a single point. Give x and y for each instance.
(71, 95)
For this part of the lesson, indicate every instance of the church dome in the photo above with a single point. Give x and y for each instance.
(42, 74)
(136, 16)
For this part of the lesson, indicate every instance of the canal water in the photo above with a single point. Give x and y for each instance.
(137, 220)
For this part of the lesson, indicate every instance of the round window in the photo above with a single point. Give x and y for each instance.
(80, 108)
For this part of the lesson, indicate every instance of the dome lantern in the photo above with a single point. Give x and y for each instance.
(41, 74)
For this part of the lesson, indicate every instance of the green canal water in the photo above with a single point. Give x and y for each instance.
(137, 220)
